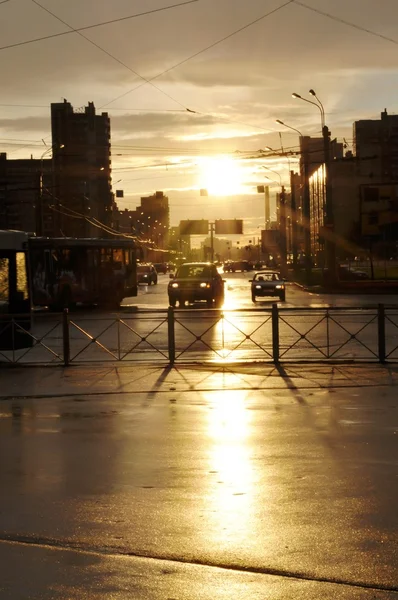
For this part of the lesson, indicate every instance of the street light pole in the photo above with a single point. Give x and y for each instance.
(294, 212)
(330, 248)
(212, 226)
(282, 223)
(39, 204)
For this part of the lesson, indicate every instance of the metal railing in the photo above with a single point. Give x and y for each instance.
(172, 336)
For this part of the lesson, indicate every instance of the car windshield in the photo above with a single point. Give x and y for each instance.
(193, 271)
(143, 269)
(267, 277)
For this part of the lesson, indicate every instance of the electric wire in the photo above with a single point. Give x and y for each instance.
(143, 110)
(54, 35)
(108, 53)
(344, 22)
(185, 60)
(99, 225)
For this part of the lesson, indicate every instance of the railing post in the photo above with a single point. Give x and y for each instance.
(171, 335)
(65, 336)
(381, 333)
(275, 333)
(13, 338)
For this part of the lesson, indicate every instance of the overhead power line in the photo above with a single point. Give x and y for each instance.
(143, 110)
(107, 53)
(344, 22)
(136, 15)
(185, 60)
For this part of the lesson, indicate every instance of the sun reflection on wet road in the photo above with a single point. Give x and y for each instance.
(230, 466)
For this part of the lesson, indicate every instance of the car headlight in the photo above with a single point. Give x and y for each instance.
(258, 287)
(279, 287)
(204, 285)
(174, 285)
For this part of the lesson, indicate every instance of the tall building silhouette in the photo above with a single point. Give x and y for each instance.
(81, 143)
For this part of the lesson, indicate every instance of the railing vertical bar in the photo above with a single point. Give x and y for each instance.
(327, 334)
(13, 339)
(171, 335)
(65, 336)
(381, 320)
(118, 338)
(275, 333)
(223, 331)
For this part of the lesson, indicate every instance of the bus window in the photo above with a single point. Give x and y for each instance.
(4, 279)
(14, 292)
(117, 259)
(22, 279)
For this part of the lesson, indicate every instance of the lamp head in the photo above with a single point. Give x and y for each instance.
(294, 95)
(279, 121)
(312, 92)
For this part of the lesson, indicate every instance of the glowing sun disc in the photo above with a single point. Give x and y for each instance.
(220, 176)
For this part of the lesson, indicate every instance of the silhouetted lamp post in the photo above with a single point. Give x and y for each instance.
(39, 204)
(282, 224)
(330, 248)
(306, 209)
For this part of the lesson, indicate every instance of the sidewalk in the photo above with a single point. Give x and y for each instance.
(92, 379)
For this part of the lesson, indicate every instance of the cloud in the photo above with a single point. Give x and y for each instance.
(25, 124)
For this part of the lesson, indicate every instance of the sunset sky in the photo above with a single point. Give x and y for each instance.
(221, 71)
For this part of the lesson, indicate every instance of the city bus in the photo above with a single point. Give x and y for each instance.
(90, 271)
(15, 299)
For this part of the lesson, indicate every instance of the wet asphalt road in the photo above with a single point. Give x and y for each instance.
(237, 295)
(216, 491)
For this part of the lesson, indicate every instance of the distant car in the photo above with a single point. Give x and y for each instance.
(195, 282)
(161, 267)
(146, 273)
(267, 283)
(241, 265)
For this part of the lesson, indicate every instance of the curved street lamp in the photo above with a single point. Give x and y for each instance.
(307, 235)
(274, 172)
(320, 108)
(282, 223)
(312, 92)
(329, 217)
(289, 127)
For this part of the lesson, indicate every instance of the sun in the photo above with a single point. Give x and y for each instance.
(220, 176)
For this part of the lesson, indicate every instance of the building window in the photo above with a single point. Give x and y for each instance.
(371, 194)
(373, 218)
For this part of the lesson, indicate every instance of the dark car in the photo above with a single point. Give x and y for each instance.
(266, 283)
(194, 282)
(161, 267)
(241, 265)
(146, 273)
